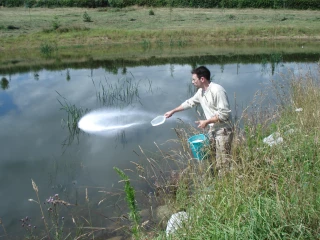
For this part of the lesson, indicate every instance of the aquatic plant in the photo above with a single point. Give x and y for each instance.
(4, 229)
(123, 92)
(71, 122)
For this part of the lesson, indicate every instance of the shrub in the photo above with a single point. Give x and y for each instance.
(55, 23)
(47, 49)
(86, 17)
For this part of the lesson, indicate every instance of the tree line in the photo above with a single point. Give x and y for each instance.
(275, 4)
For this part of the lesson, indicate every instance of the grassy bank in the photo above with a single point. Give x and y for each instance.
(72, 35)
(272, 191)
(114, 58)
(21, 27)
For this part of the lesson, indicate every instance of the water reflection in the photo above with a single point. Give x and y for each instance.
(117, 65)
(68, 78)
(4, 83)
(36, 76)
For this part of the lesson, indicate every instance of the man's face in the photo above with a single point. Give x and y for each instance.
(196, 81)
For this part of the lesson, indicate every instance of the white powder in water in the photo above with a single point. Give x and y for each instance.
(106, 120)
(197, 141)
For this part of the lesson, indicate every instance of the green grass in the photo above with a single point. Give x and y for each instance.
(129, 32)
(132, 25)
(272, 192)
(131, 201)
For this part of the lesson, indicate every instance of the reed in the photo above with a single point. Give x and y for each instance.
(36, 189)
(4, 229)
(123, 92)
(74, 114)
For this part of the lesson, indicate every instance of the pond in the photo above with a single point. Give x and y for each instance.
(37, 144)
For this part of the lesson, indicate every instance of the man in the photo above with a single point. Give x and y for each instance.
(215, 104)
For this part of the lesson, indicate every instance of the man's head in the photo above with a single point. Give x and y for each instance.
(201, 77)
(202, 71)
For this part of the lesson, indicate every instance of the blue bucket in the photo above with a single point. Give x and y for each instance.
(197, 144)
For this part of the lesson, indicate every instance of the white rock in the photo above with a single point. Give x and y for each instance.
(175, 222)
(273, 139)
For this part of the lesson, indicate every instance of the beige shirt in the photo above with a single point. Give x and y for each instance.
(214, 101)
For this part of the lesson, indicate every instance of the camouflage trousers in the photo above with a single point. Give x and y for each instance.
(220, 141)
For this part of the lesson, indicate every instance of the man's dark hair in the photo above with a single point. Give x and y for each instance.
(202, 71)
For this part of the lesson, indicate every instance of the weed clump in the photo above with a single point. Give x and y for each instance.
(130, 198)
(47, 49)
(55, 23)
(86, 17)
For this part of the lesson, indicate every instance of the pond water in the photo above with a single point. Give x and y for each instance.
(37, 144)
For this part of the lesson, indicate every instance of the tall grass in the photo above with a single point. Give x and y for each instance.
(47, 49)
(272, 191)
(123, 92)
(131, 201)
(74, 114)
(55, 222)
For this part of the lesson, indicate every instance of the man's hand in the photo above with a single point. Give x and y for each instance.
(169, 114)
(202, 123)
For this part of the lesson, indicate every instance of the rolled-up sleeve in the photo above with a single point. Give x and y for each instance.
(191, 102)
